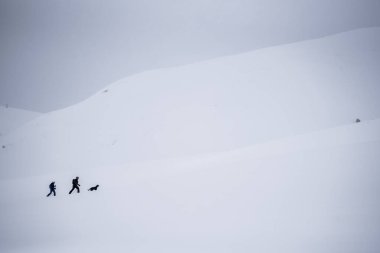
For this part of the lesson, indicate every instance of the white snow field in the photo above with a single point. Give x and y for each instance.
(256, 152)
(12, 118)
(311, 193)
(211, 106)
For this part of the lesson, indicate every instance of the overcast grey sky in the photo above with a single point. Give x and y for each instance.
(58, 52)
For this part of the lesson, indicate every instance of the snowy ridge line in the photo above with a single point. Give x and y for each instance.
(209, 107)
(12, 119)
(230, 57)
(364, 132)
(337, 136)
(356, 133)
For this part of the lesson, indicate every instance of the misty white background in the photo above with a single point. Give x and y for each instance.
(56, 53)
(250, 152)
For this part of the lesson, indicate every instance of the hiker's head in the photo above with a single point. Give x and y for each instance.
(77, 177)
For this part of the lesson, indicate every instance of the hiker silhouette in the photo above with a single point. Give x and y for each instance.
(52, 189)
(75, 185)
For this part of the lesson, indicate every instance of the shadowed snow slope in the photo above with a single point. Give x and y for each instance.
(212, 106)
(316, 193)
(11, 118)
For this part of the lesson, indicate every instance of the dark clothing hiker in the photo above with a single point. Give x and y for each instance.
(52, 189)
(75, 185)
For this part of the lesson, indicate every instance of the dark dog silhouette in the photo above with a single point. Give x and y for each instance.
(95, 188)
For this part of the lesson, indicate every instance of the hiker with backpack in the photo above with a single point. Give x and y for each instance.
(75, 185)
(52, 189)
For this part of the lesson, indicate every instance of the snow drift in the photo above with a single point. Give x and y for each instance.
(212, 106)
(277, 165)
(316, 192)
(12, 118)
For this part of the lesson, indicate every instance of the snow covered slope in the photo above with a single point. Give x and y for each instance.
(316, 193)
(212, 106)
(11, 118)
(309, 184)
